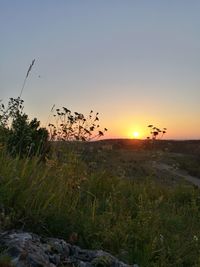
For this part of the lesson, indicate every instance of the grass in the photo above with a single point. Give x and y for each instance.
(5, 261)
(187, 162)
(190, 163)
(138, 220)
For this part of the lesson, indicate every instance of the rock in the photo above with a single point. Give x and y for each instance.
(30, 250)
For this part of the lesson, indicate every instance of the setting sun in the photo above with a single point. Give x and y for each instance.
(136, 134)
(136, 131)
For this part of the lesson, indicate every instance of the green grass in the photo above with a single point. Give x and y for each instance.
(138, 220)
(187, 162)
(5, 261)
(190, 163)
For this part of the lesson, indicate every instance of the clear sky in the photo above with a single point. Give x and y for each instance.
(136, 62)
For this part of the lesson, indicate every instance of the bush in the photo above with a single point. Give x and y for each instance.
(27, 138)
(20, 136)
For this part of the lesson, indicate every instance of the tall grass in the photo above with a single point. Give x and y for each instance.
(138, 221)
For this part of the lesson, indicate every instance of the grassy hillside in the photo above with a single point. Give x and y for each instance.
(104, 198)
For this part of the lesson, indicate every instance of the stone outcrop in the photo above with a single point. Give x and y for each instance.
(30, 250)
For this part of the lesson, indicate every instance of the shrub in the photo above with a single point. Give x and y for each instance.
(21, 136)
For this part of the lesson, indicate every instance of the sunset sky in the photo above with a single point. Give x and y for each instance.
(135, 62)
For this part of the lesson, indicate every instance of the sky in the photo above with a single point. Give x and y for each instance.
(136, 62)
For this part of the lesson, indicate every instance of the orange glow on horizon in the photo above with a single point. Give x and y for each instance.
(122, 129)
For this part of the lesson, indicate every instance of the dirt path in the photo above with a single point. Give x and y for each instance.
(177, 172)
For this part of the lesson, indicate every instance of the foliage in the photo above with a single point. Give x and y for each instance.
(189, 163)
(26, 138)
(70, 126)
(155, 132)
(139, 221)
(7, 114)
(21, 136)
(5, 261)
(102, 261)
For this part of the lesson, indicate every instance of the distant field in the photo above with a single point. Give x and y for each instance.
(132, 158)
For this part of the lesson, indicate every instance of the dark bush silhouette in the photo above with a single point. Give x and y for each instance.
(26, 138)
(21, 136)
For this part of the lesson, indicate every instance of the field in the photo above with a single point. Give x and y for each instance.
(113, 195)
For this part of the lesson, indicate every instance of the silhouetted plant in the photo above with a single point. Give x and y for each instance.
(156, 132)
(7, 114)
(75, 126)
(26, 77)
(21, 136)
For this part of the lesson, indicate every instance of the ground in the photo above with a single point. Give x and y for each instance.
(169, 162)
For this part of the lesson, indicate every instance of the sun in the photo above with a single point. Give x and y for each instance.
(136, 134)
